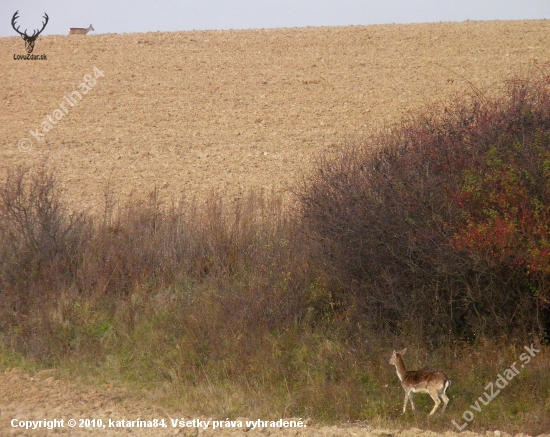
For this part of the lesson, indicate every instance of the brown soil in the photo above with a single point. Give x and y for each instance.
(189, 112)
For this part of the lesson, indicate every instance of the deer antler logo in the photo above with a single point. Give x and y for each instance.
(29, 40)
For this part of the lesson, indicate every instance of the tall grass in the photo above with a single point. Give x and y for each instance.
(266, 309)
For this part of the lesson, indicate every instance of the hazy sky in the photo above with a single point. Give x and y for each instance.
(118, 16)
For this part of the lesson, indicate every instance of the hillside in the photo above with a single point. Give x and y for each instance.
(189, 112)
(218, 312)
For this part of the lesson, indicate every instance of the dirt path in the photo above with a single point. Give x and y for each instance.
(24, 398)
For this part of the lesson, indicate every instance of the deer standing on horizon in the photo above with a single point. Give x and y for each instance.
(80, 30)
(433, 382)
(29, 40)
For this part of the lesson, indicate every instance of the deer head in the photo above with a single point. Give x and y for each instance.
(29, 40)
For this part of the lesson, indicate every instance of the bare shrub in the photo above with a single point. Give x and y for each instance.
(38, 238)
(247, 256)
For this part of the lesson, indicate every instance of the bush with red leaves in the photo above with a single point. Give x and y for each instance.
(441, 227)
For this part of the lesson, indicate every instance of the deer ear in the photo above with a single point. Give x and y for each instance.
(403, 352)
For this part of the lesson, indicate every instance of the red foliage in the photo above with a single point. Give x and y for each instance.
(504, 222)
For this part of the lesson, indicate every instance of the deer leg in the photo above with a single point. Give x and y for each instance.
(406, 400)
(411, 399)
(445, 400)
(435, 398)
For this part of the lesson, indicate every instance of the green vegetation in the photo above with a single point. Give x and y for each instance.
(434, 236)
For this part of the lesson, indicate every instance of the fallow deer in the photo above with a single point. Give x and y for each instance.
(433, 382)
(80, 30)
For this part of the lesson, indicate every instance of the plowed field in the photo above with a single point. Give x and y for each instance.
(192, 112)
